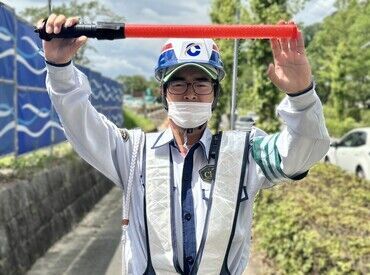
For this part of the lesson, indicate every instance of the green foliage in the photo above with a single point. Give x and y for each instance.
(319, 225)
(87, 11)
(338, 128)
(134, 120)
(224, 12)
(255, 91)
(137, 83)
(340, 58)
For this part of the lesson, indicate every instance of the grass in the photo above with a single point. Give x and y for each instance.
(25, 165)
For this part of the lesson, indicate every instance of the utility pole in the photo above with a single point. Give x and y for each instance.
(235, 72)
(49, 6)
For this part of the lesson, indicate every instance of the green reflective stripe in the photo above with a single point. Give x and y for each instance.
(278, 159)
(274, 158)
(256, 153)
(266, 157)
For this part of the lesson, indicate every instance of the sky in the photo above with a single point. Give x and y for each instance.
(139, 56)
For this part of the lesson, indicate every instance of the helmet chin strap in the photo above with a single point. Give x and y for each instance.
(186, 131)
(190, 131)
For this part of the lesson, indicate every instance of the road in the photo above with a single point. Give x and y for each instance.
(92, 247)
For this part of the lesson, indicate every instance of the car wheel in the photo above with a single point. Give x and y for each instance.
(360, 172)
(327, 160)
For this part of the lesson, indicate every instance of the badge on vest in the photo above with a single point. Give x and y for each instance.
(207, 173)
(124, 134)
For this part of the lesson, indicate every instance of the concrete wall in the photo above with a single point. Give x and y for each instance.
(35, 213)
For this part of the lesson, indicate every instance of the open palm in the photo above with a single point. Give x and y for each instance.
(291, 71)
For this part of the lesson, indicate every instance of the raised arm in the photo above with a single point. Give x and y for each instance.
(91, 134)
(305, 140)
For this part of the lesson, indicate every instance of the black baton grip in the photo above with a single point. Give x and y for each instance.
(101, 30)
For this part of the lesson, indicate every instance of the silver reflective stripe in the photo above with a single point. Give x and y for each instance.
(224, 201)
(157, 187)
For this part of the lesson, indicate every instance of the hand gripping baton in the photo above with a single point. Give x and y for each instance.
(110, 31)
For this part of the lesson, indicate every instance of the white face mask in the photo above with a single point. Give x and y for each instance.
(189, 114)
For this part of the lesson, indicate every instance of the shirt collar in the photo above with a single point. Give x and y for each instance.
(166, 137)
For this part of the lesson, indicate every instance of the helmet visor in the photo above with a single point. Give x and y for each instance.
(209, 70)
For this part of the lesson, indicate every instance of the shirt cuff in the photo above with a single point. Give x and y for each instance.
(58, 65)
(60, 73)
(301, 101)
(309, 88)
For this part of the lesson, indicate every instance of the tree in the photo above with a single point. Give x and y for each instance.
(87, 11)
(341, 59)
(256, 92)
(224, 12)
(262, 93)
(135, 83)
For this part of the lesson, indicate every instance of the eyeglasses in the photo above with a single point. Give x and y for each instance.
(179, 87)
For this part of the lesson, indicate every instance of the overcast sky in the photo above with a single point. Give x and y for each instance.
(139, 56)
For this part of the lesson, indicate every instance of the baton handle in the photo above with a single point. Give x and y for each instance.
(100, 30)
(106, 30)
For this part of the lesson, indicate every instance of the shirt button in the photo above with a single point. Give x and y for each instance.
(188, 216)
(190, 260)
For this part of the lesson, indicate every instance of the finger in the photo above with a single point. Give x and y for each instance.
(293, 45)
(292, 42)
(59, 21)
(275, 47)
(284, 42)
(40, 24)
(271, 73)
(50, 23)
(79, 42)
(284, 45)
(300, 43)
(72, 21)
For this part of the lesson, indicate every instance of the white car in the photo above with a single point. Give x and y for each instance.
(352, 152)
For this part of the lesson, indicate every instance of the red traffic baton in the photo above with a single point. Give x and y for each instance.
(110, 31)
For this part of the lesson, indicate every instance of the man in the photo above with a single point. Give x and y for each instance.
(190, 193)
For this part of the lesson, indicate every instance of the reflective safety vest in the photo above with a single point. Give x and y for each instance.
(229, 161)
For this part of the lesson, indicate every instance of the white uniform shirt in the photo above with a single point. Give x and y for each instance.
(292, 152)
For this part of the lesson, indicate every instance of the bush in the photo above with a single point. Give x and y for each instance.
(337, 127)
(319, 225)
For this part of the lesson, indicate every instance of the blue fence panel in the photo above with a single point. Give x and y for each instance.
(29, 110)
(34, 121)
(7, 39)
(31, 70)
(97, 90)
(7, 122)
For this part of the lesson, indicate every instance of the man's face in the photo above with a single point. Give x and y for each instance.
(200, 80)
